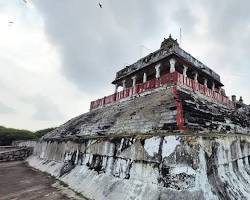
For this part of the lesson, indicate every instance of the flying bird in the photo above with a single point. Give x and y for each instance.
(100, 5)
(10, 23)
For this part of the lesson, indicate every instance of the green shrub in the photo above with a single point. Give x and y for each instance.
(43, 132)
(8, 135)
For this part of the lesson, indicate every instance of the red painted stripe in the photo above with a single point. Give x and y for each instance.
(179, 108)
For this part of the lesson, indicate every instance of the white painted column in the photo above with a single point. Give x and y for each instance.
(134, 81)
(185, 68)
(196, 77)
(144, 77)
(172, 62)
(157, 71)
(213, 86)
(205, 82)
(220, 89)
(124, 84)
(116, 88)
(196, 81)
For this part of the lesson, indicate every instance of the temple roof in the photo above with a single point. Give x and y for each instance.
(169, 42)
(168, 47)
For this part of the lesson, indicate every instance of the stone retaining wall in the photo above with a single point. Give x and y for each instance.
(150, 167)
(15, 154)
(5, 148)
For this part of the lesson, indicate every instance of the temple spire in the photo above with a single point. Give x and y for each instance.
(169, 42)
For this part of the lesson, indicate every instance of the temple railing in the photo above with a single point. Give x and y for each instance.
(171, 78)
(202, 89)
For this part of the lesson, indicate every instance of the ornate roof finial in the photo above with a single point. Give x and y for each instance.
(169, 42)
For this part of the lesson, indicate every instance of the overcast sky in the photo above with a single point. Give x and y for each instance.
(58, 55)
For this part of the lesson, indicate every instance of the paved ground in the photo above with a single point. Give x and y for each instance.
(21, 182)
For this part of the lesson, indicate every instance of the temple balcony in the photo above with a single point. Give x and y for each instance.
(170, 79)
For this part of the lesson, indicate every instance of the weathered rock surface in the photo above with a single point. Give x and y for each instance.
(204, 115)
(170, 167)
(135, 149)
(154, 110)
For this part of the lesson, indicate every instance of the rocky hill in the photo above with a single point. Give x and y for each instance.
(165, 144)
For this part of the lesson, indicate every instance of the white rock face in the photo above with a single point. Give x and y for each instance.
(152, 145)
(183, 169)
(193, 168)
(169, 145)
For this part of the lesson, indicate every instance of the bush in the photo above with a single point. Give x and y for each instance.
(43, 132)
(8, 135)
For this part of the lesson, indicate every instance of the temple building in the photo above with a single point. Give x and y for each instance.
(167, 66)
(167, 132)
(168, 59)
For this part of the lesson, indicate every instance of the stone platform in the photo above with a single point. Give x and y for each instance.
(19, 181)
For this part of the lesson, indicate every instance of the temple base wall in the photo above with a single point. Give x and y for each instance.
(160, 167)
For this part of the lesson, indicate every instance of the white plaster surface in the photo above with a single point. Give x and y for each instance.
(169, 145)
(143, 180)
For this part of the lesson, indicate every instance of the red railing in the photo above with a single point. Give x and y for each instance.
(202, 89)
(174, 78)
(139, 88)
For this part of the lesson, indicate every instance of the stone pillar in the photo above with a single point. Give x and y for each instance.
(205, 82)
(234, 98)
(116, 87)
(124, 84)
(185, 68)
(144, 77)
(134, 81)
(172, 62)
(157, 71)
(241, 100)
(213, 86)
(220, 90)
(196, 77)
